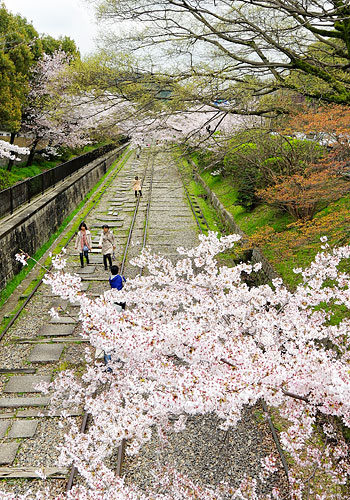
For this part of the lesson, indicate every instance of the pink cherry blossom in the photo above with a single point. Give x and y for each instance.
(194, 340)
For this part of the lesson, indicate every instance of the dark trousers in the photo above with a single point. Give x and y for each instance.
(140, 193)
(121, 304)
(105, 257)
(83, 254)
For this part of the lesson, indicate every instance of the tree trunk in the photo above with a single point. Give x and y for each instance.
(12, 140)
(32, 152)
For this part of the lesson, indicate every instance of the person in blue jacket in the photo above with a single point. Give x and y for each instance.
(116, 281)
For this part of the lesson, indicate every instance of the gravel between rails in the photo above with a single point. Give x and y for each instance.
(209, 455)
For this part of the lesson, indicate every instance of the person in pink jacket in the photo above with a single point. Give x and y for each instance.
(83, 243)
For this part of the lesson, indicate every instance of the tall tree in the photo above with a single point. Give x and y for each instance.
(47, 115)
(240, 50)
(63, 43)
(20, 47)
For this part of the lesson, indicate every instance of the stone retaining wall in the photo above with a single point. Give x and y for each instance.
(31, 226)
(268, 273)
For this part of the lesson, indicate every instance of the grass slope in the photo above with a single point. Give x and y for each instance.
(286, 243)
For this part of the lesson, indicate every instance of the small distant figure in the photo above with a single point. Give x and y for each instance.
(107, 244)
(138, 151)
(117, 281)
(137, 186)
(83, 242)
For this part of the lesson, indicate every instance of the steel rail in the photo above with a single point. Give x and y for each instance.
(107, 182)
(121, 448)
(83, 426)
(269, 420)
(191, 205)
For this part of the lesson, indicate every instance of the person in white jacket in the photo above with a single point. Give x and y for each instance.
(107, 244)
(83, 243)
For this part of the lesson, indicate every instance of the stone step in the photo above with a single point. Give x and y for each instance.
(4, 425)
(86, 270)
(23, 429)
(110, 224)
(59, 303)
(55, 330)
(8, 453)
(45, 353)
(64, 320)
(25, 383)
(96, 259)
(109, 218)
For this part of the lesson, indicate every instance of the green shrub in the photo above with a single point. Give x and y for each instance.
(5, 179)
(257, 159)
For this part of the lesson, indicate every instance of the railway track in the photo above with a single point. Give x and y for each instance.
(16, 413)
(154, 220)
(149, 165)
(202, 225)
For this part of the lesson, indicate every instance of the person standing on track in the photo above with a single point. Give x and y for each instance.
(137, 186)
(107, 245)
(83, 242)
(117, 281)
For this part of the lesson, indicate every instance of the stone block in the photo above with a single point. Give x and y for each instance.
(25, 383)
(63, 320)
(87, 270)
(55, 330)
(111, 224)
(4, 425)
(8, 453)
(59, 304)
(23, 429)
(45, 353)
(95, 259)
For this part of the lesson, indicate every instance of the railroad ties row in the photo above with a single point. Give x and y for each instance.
(36, 348)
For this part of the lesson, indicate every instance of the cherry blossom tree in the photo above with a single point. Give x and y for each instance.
(47, 116)
(10, 151)
(196, 339)
(194, 127)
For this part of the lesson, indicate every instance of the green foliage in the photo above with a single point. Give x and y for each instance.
(257, 159)
(20, 48)
(5, 179)
(65, 43)
(288, 244)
